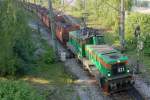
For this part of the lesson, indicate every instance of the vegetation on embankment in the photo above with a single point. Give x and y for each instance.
(27, 63)
(144, 63)
(16, 47)
(144, 21)
(18, 90)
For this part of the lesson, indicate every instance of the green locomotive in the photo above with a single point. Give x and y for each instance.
(108, 65)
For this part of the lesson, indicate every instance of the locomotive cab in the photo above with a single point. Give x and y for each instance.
(118, 77)
(98, 39)
(112, 66)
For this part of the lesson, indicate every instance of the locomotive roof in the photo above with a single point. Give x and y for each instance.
(85, 33)
(107, 53)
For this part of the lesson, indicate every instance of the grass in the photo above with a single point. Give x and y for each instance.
(49, 79)
(18, 90)
(145, 61)
(49, 73)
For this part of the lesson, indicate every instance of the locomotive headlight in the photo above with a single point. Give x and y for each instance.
(108, 74)
(128, 70)
(118, 61)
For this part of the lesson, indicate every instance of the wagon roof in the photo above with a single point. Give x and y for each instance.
(107, 53)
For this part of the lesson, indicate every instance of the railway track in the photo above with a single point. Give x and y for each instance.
(134, 92)
(131, 94)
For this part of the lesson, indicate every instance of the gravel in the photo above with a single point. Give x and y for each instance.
(142, 87)
(85, 86)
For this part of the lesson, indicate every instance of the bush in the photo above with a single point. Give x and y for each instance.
(144, 21)
(48, 56)
(110, 38)
(147, 45)
(136, 18)
(18, 90)
(16, 47)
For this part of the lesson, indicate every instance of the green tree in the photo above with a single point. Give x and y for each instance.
(103, 12)
(144, 21)
(14, 33)
(18, 90)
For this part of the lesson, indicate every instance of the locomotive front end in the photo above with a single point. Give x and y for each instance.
(118, 77)
(114, 74)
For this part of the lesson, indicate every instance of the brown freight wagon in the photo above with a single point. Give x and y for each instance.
(63, 29)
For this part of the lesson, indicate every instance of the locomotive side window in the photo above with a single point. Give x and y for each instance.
(101, 39)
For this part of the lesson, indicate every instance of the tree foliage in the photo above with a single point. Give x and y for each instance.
(16, 46)
(17, 90)
(134, 19)
(104, 12)
(143, 20)
(44, 3)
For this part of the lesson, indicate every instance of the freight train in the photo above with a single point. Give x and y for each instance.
(108, 65)
(63, 26)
